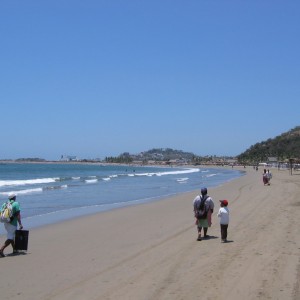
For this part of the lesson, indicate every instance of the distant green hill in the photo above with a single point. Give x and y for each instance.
(284, 146)
(167, 154)
(156, 154)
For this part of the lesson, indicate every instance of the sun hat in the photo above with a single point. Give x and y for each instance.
(11, 196)
(224, 202)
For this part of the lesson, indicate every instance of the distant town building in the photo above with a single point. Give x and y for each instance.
(68, 158)
(272, 160)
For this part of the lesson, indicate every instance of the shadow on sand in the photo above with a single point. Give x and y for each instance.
(213, 237)
(17, 253)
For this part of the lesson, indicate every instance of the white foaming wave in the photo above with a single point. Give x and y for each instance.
(145, 174)
(27, 181)
(181, 180)
(177, 172)
(185, 171)
(91, 180)
(113, 176)
(75, 178)
(211, 175)
(106, 179)
(22, 192)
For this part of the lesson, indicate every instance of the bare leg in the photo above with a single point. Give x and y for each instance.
(6, 244)
(199, 233)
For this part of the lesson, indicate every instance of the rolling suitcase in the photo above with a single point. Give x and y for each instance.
(21, 239)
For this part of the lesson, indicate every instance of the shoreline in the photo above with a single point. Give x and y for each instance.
(61, 215)
(150, 251)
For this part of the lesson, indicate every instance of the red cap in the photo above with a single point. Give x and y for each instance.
(224, 202)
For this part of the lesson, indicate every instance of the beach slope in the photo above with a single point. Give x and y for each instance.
(150, 251)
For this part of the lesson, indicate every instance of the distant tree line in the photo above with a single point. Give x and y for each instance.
(31, 159)
(124, 158)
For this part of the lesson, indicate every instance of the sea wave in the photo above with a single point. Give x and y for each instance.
(211, 175)
(181, 180)
(23, 192)
(55, 187)
(176, 172)
(27, 181)
(91, 180)
(34, 190)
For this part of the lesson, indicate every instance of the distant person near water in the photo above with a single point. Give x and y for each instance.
(203, 209)
(223, 216)
(11, 226)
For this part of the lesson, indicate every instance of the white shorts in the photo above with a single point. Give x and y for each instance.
(11, 230)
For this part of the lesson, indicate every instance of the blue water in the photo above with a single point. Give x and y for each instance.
(49, 193)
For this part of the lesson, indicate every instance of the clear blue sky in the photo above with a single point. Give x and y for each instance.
(97, 78)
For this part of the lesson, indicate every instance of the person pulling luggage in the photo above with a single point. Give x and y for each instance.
(12, 226)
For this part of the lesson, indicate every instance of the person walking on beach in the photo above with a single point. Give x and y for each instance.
(203, 209)
(223, 216)
(12, 226)
(265, 178)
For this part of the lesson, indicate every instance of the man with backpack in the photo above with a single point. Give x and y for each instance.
(12, 225)
(203, 208)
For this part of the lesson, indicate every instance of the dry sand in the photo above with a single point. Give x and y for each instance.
(150, 251)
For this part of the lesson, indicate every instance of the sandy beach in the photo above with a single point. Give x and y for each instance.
(150, 251)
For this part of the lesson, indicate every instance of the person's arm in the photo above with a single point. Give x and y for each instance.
(19, 220)
(212, 205)
(195, 204)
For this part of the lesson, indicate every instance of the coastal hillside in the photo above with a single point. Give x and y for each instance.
(155, 154)
(282, 147)
(166, 154)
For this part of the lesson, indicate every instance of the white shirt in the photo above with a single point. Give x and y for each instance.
(223, 215)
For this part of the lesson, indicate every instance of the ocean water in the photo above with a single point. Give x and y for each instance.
(50, 193)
